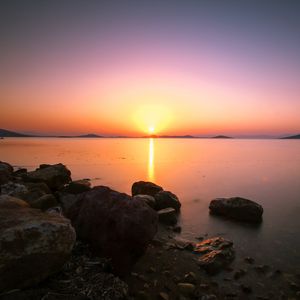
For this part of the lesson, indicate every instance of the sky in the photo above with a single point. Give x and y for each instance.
(166, 67)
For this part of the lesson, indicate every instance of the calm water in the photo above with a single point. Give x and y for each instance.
(267, 171)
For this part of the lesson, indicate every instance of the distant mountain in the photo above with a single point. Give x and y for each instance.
(222, 137)
(170, 136)
(90, 135)
(7, 133)
(297, 136)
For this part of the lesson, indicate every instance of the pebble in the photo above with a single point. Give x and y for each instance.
(209, 297)
(240, 273)
(163, 296)
(249, 260)
(246, 289)
(151, 270)
(186, 288)
(142, 295)
(294, 286)
(261, 268)
(204, 286)
(190, 277)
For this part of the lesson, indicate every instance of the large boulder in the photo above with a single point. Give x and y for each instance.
(216, 253)
(55, 176)
(6, 171)
(165, 199)
(145, 188)
(33, 244)
(115, 224)
(237, 208)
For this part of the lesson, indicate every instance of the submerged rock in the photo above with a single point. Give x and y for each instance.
(55, 176)
(115, 224)
(145, 188)
(165, 199)
(33, 244)
(237, 208)
(167, 216)
(216, 253)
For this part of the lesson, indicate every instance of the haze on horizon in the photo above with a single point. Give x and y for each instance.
(165, 67)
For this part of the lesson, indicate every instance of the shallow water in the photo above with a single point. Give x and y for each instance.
(197, 170)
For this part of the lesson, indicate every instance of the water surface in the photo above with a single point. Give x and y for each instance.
(197, 170)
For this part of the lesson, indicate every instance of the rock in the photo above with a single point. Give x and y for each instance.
(55, 176)
(149, 200)
(216, 252)
(237, 208)
(6, 171)
(14, 189)
(165, 199)
(167, 216)
(142, 295)
(67, 201)
(239, 273)
(145, 188)
(33, 245)
(44, 202)
(9, 202)
(186, 289)
(20, 172)
(163, 296)
(115, 224)
(249, 260)
(176, 229)
(209, 297)
(77, 187)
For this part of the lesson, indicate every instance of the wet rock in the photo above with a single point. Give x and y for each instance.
(216, 253)
(20, 172)
(44, 202)
(55, 176)
(261, 269)
(165, 199)
(77, 187)
(237, 208)
(115, 224)
(9, 202)
(167, 216)
(294, 286)
(145, 188)
(33, 245)
(5, 172)
(142, 295)
(186, 289)
(149, 200)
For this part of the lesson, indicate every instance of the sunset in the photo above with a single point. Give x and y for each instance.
(149, 149)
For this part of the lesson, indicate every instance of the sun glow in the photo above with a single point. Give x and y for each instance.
(151, 129)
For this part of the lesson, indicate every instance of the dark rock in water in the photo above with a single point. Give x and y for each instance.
(77, 187)
(115, 224)
(44, 202)
(6, 171)
(145, 188)
(149, 200)
(9, 202)
(237, 208)
(55, 176)
(66, 201)
(167, 216)
(20, 172)
(166, 199)
(33, 244)
(216, 252)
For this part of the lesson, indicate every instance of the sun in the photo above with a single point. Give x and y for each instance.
(151, 129)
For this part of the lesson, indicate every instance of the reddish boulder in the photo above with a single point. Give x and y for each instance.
(115, 224)
(145, 188)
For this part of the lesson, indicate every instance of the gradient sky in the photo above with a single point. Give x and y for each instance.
(120, 67)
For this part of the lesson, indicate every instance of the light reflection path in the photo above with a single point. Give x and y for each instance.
(151, 176)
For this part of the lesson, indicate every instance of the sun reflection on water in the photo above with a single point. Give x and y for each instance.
(151, 176)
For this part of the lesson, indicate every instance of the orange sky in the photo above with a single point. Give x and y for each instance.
(219, 75)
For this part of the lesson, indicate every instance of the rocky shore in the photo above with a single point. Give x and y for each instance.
(63, 239)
